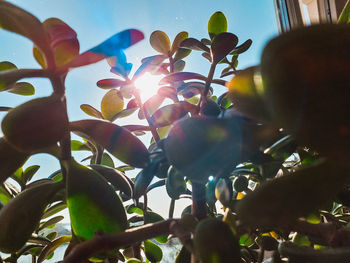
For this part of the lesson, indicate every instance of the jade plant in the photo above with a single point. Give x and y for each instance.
(272, 151)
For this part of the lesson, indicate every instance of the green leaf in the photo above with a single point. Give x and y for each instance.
(344, 17)
(52, 235)
(133, 260)
(246, 240)
(112, 103)
(178, 39)
(222, 45)
(152, 251)
(110, 83)
(194, 44)
(135, 209)
(151, 217)
(49, 249)
(117, 178)
(160, 42)
(22, 88)
(9, 77)
(50, 222)
(107, 160)
(317, 184)
(79, 146)
(182, 53)
(115, 139)
(171, 113)
(91, 111)
(180, 76)
(217, 24)
(17, 20)
(5, 196)
(6, 65)
(10, 160)
(124, 113)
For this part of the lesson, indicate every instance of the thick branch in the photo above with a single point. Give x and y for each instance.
(107, 242)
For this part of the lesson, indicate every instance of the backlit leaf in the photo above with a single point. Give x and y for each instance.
(91, 111)
(115, 139)
(160, 42)
(152, 251)
(242, 48)
(178, 39)
(222, 45)
(182, 53)
(345, 14)
(22, 88)
(217, 24)
(179, 65)
(167, 92)
(151, 105)
(111, 104)
(154, 60)
(143, 179)
(50, 222)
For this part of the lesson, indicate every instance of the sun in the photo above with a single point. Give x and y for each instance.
(148, 86)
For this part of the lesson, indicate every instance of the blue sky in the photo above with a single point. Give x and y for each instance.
(94, 21)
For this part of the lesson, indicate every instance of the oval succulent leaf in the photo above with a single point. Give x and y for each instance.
(154, 60)
(36, 124)
(6, 65)
(110, 83)
(111, 104)
(242, 48)
(115, 139)
(152, 251)
(180, 76)
(179, 65)
(194, 44)
(22, 88)
(222, 45)
(49, 249)
(217, 24)
(182, 53)
(175, 183)
(178, 39)
(91, 111)
(160, 42)
(143, 179)
(17, 224)
(151, 105)
(93, 205)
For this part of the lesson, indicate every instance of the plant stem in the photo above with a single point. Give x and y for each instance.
(171, 208)
(106, 242)
(148, 118)
(199, 205)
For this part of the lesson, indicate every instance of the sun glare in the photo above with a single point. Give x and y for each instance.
(148, 85)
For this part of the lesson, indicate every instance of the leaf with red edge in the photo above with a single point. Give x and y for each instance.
(151, 105)
(110, 83)
(168, 92)
(115, 139)
(91, 111)
(194, 44)
(111, 47)
(180, 76)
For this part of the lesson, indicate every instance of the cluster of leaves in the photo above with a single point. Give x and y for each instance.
(257, 149)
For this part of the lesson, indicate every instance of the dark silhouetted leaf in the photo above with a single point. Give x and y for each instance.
(143, 179)
(194, 44)
(2, 108)
(10, 160)
(160, 42)
(117, 178)
(217, 24)
(242, 48)
(49, 249)
(91, 111)
(49, 223)
(222, 45)
(175, 183)
(52, 210)
(115, 139)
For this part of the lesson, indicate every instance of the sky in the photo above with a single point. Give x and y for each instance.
(95, 21)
